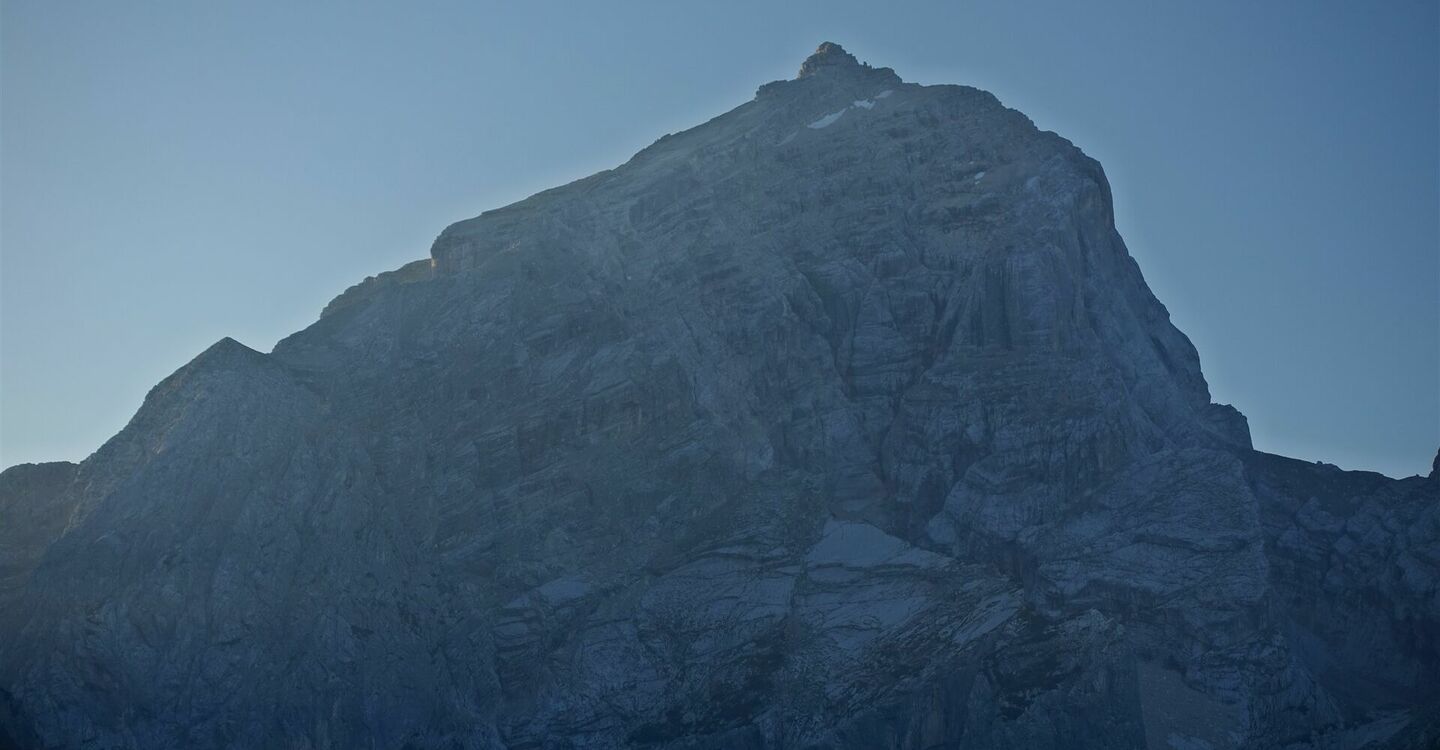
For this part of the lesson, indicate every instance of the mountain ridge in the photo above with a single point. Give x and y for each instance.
(843, 419)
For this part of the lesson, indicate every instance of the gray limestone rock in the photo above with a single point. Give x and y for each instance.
(843, 420)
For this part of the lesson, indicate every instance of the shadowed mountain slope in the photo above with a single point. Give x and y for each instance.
(843, 420)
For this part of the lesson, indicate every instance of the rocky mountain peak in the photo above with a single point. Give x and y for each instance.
(831, 71)
(829, 57)
(844, 419)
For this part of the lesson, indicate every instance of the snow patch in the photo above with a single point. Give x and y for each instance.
(826, 121)
(830, 119)
(856, 546)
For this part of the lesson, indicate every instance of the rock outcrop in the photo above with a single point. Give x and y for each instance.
(844, 420)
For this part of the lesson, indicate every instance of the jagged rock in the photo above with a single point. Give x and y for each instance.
(842, 420)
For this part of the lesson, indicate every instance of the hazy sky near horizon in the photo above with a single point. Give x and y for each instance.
(175, 172)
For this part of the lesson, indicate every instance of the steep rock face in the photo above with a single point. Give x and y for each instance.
(34, 508)
(1355, 574)
(842, 420)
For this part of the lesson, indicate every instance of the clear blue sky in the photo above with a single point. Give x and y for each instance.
(175, 172)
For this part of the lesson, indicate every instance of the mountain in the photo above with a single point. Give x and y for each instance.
(843, 420)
